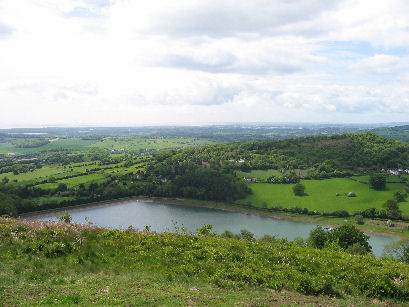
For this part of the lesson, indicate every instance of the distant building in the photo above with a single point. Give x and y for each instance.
(139, 175)
(250, 179)
(205, 164)
(26, 159)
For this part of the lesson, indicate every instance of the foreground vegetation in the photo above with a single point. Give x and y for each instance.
(47, 263)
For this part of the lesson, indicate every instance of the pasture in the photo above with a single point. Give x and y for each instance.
(76, 144)
(321, 195)
(147, 144)
(38, 174)
(262, 175)
(118, 144)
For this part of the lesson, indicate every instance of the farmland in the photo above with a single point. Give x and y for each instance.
(118, 144)
(262, 175)
(321, 195)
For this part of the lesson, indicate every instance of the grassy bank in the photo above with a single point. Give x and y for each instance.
(63, 264)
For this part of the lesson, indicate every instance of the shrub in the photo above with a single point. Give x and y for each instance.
(348, 235)
(400, 196)
(64, 217)
(356, 249)
(299, 189)
(392, 209)
(359, 219)
(318, 237)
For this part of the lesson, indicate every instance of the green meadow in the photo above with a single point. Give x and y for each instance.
(131, 144)
(112, 143)
(321, 195)
(66, 143)
(42, 173)
(259, 174)
(262, 175)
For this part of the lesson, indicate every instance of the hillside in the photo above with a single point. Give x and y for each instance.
(66, 264)
(400, 133)
(342, 152)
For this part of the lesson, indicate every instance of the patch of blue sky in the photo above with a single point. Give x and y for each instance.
(5, 30)
(83, 12)
(98, 3)
(355, 49)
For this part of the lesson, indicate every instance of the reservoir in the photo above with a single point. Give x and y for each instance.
(170, 218)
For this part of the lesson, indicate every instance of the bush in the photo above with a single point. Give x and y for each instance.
(318, 237)
(356, 249)
(392, 209)
(64, 217)
(359, 219)
(400, 196)
(299, 189)
(347, 235)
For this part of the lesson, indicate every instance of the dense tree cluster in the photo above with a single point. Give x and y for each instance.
(324, 156)
(174, 175)
(377, 181)
(345, 236)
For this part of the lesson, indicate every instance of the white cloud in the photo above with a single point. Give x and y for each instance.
(134, 62)
(380, 64)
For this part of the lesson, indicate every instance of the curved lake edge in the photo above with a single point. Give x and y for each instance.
(191, 203)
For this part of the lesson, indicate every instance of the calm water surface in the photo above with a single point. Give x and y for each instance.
(161, 217)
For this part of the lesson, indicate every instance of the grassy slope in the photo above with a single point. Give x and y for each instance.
(61, 264)
(321, 195)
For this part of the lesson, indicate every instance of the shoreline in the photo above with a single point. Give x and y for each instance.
(191, 203)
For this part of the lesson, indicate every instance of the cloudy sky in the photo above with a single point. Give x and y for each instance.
(100, 62)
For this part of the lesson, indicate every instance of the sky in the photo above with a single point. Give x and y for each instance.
(181, 62)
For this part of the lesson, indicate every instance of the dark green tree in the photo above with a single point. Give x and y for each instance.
(318, 237)
(377, 182)
(400, 196)
(348, 235)
(61, 187)
(392, 208)
(299, 189)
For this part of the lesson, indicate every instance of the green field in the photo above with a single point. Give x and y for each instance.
(321, 195)
(132, 144)
(70, 182)
(68, 143)
(42, 173)
(262, 175)
(258, 174)
(118, 144)
(392, 179)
